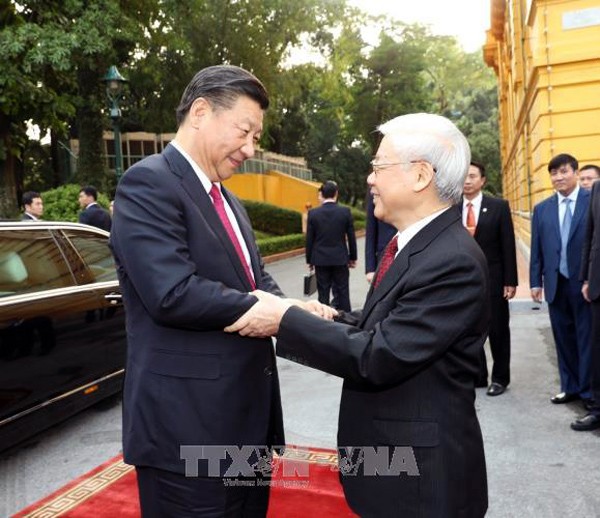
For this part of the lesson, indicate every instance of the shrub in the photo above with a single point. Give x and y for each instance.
(61, 204)
(272, 219)
(274, 245)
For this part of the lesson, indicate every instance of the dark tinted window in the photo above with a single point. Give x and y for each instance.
(30, 261)
(95, 253)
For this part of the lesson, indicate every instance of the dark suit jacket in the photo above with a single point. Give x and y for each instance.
(378, 235)
(96, 216)
(496, 237)
(26, 217)
(187, 381)
(545, 243)
(327, 229)
(410, 366)
(590, 259)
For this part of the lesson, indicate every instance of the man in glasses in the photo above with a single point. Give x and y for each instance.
(409, 439)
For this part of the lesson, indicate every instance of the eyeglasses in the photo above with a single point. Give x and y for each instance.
(377, 168)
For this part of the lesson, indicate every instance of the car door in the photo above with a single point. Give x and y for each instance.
(92, 263)
(44, 332)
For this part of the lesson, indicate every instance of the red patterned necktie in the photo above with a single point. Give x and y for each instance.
(215, 194)
(471, 225)
(389, 254)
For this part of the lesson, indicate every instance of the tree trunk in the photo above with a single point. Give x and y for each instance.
(11, 169)
(91, 169)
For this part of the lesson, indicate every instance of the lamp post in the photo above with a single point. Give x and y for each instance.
(114, 82)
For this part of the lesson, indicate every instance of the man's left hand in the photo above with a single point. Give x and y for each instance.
(509, 292)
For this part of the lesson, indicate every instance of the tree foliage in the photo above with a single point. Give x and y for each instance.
(55, 52)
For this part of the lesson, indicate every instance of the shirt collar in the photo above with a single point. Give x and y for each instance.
(408, 233)
(206, 183)
(572, 196)
(476, 202)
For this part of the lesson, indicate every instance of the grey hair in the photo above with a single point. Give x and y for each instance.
(434, 139)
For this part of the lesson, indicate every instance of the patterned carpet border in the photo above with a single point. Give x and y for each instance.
(73, 496)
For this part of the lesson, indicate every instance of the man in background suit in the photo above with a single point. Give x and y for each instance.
(33, 205)
(489, 221)
(92, 214)
(187, 260)
(588, 175)
(331, 247)
(411, 357)
(590, 275)
(378, 235)
(557, 232)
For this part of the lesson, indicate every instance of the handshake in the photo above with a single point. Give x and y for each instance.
(263, 319)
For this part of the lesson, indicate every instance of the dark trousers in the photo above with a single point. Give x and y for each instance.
(164, 494)
(595, 354)
(499, 337)
(570, 318)
(334, 279)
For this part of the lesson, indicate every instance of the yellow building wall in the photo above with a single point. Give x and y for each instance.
(275, 188)
(546, 55)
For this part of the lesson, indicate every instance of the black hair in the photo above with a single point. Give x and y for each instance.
(90, 190)
(591, 166)
(29, 196)
(221, 85)
(479, 166)
(563, 159)
(328, 190)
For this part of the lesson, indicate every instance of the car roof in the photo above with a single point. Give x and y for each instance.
(50, 225)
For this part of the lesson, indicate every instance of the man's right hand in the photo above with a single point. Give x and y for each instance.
(370, 276)
(536, 294)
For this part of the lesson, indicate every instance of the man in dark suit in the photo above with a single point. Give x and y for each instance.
(557, 232)
(409, 439)
(92, 214)
(588, 175)
(331, 247)
(33, 205)
(187, 260)
(489, 221)
(590, 275)
(378, 235)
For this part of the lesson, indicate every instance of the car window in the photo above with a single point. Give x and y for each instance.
(30, 261)
(95, 253)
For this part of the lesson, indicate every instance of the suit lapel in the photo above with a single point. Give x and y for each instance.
(580, 210)
(400, 265)
(555, 217)
(247, 234)
(199, 197)
(485, 214)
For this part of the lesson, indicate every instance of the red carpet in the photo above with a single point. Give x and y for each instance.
(305, 484)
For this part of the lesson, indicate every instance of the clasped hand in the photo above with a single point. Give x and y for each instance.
(263, 319)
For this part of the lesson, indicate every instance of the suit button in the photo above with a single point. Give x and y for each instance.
(268, 371)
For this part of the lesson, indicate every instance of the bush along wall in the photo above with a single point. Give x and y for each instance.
(272, 219)
(275, 245)
(62, 203)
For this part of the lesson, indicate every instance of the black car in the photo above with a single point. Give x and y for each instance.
(62, 325)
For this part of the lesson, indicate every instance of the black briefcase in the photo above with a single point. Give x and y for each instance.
(310, 283)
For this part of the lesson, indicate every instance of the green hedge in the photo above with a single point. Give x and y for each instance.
(272, 219)
(274, 245)
(62, 203)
